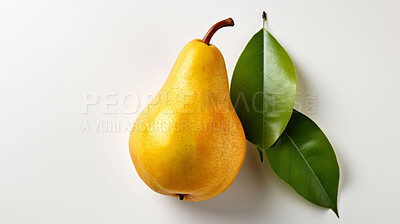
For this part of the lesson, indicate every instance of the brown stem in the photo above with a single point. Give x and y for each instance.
(181, 197)
(264, 16)
(217, 26)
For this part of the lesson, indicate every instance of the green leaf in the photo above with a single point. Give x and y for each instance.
(263, 89)
(305, 160)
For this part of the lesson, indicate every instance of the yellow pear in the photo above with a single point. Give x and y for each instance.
(189, 142)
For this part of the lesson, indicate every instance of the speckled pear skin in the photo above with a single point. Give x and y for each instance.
(189, 142)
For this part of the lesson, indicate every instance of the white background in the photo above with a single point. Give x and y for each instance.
(53, 53)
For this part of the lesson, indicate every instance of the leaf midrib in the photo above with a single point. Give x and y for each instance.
(263, 71)
(312, 171)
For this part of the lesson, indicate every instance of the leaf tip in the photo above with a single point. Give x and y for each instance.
(335, 210)
(261, 154)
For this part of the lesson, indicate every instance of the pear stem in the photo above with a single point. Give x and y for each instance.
(264, 16)
(217, 26)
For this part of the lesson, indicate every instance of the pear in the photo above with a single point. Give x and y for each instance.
(188, 142)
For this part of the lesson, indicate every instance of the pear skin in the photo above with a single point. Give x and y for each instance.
(189, 142)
